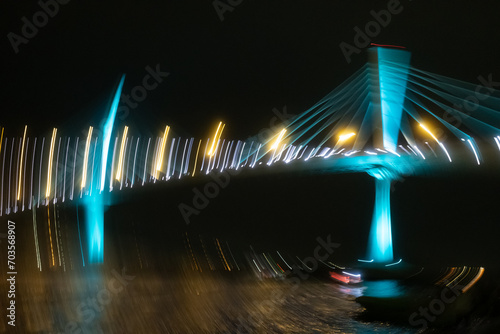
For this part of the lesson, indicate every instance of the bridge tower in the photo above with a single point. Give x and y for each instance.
(389, 73)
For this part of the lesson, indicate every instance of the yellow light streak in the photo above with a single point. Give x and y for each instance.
(346, 136)
(196, 159)
(86, 157)
(122, 150)
(51, 157)
(159, 162)
(278, 140)
(217, 136)
(21, 164)
(429, 132)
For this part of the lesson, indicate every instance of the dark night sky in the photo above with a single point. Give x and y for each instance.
(264, 55)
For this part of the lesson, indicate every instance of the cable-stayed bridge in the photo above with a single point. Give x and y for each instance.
(388, 119)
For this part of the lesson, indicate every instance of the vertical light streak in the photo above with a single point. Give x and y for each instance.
(24, 173)
(50, 235)
(74, 169)
(473, 150)
(146, 162)
(113, 165)
(203, 161)
(92, 168)
(35, 236)
(155, 159)
(188, 158)
(223, 256)
(86, 159)
(124, 172)
(10, 174)
(64, 176)
(18, 177)
(49, 168)
(57, 167)
(40, 175)
(175, 156)
(32, 175)
(3, 172)
(159, 163)
(133, 167)
(196, 159)
(182, 161)
(108, 129)
(170, 158)
(57, 237)
(278, 140)
(120, 159)
(128, 160)
(21, 163)
(1, 140)
(216, 136)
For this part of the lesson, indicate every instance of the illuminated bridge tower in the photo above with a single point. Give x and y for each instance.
(389, 73)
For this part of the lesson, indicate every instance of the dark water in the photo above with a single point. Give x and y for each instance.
(189, 303)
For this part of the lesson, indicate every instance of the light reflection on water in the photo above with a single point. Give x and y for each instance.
(383, 288)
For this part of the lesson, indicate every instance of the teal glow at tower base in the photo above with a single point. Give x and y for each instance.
(95, 228)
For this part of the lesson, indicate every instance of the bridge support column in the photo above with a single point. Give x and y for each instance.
(380, 238)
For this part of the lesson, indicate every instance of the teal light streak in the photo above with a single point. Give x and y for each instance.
(94, 204)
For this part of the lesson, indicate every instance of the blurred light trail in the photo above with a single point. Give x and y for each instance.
(474, 280)
(437, 141)
(21, 163)
(35, 237)
(217, 136)
(196, 159)
(86, 159)
(65, 164)
(122, 150)
(49, 168)
(278, 140)
(393, 264)
(368, 261)
(74, 168)
(107, 131)
(344, 137)
(223, 256)
(497, 141)
(159, 164)
(473, 150)
(50, 235)
(113, 159)
(1, 140)
(133, 167)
